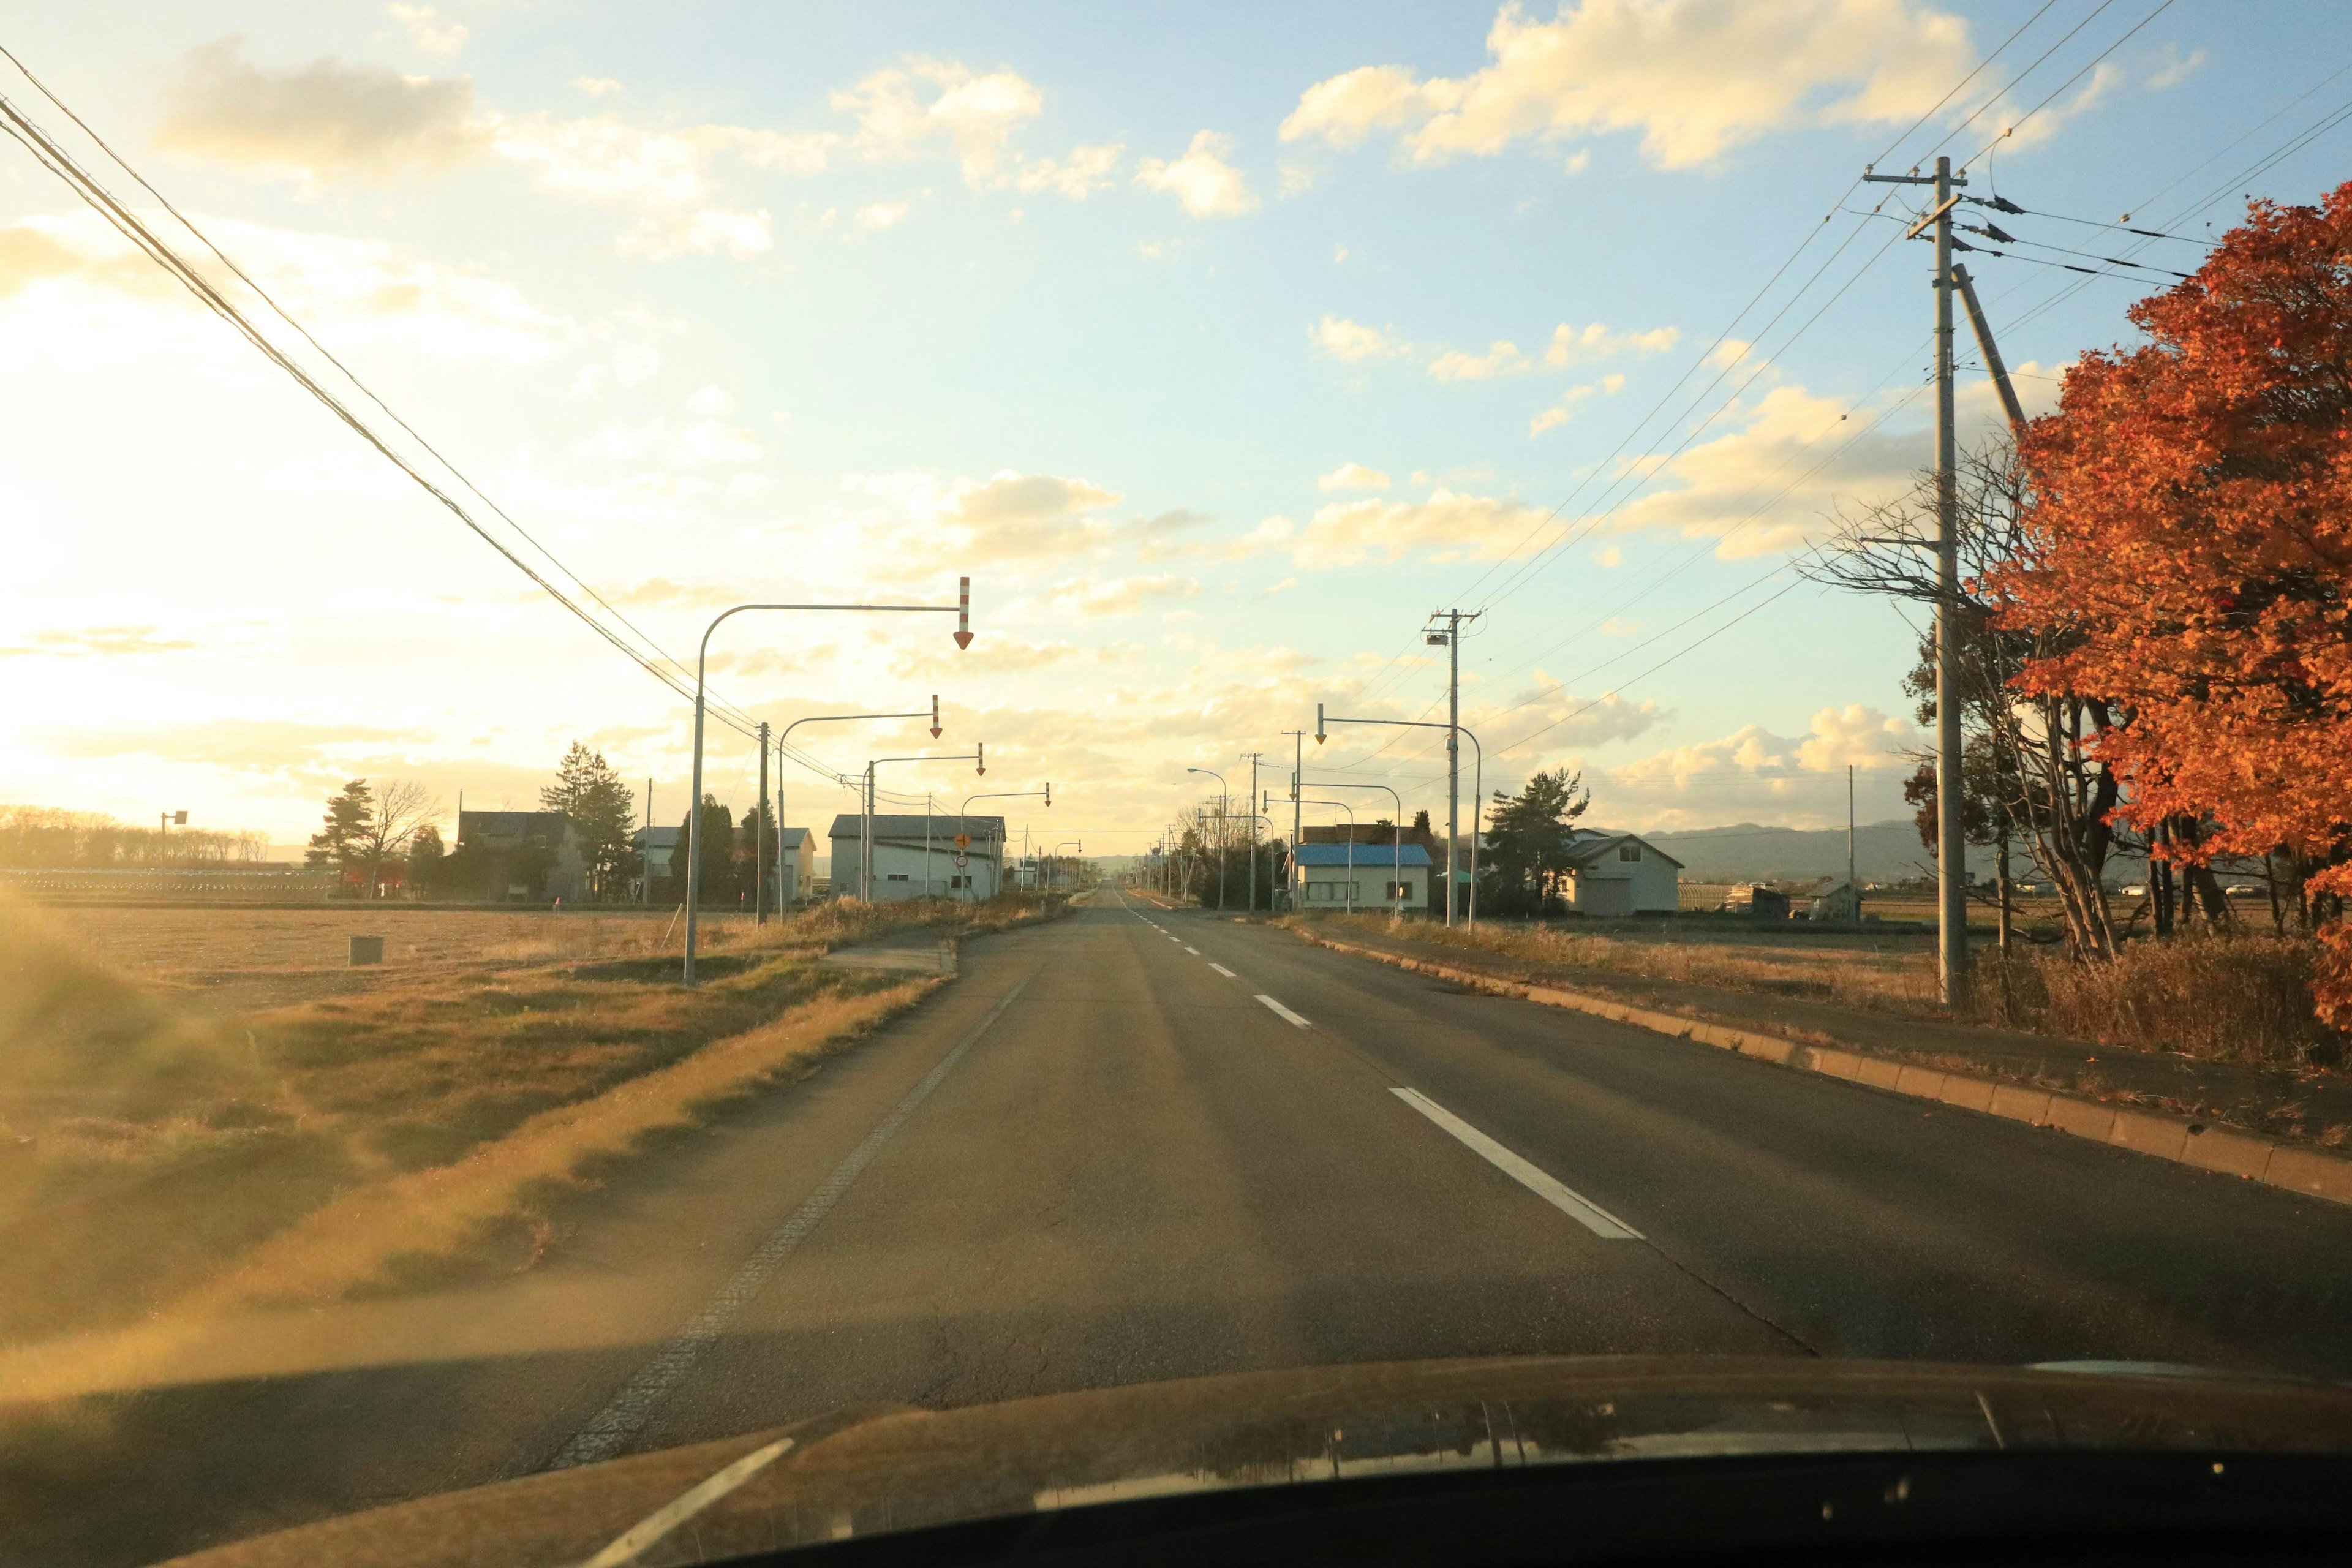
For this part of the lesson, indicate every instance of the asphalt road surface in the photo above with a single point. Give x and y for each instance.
(1141, 1143)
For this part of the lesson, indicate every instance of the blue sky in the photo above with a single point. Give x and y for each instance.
(1219, 345)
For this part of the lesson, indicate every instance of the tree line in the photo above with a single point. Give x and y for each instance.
(47, 838)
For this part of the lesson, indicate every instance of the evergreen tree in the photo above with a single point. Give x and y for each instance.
(1527, 842)
(603, 812)
(719, 882)
(344, 838)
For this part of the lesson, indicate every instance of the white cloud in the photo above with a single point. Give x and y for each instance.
(598, 86)
(1593, 342)
(1343, 339)
(1501, 358)
(1559, 413)
(1752, 771)
(1008, 516)
(427, 31)
(350, 291)
(2172, 68)
(316, 121)
(741, 235)
(880, 216)
(1446, 526)
(1573, 720)
(1086, 599)
(908, 112)
(712, 401)
(1201, 179)
(1085, 171)
(705, 439)
(1352, 477)
(1694, 78)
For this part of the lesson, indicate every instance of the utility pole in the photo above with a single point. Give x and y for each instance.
(759, 838)
(1298, 771)
(1951, 846)
(1853, 886)
(1451, 637)
(1251, 906)
(645, 861)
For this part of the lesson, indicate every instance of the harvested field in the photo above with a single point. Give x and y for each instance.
(160, 1117)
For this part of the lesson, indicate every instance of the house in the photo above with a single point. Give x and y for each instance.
(534, 856)
(1360, 876)
(1619, 874)
(799, 846)
(657, 862)
(916, 856)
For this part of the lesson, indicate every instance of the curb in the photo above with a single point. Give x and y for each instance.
(2289, 1167)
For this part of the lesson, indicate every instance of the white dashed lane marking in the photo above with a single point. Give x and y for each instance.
(1223, 971)
(1549, 1188)
(1283, 1012)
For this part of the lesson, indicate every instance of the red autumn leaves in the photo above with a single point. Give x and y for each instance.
(2191, 538)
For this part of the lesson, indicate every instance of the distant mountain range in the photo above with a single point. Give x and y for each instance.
(1883, 852)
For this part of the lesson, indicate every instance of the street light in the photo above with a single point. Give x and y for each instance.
(964, 816)
(1396, 838)
(978, 754)
(1050, 855)
(827, 718)
(1477, 786)
(1224, 797)
(962, 612)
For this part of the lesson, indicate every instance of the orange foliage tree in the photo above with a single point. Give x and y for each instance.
(2190, 539)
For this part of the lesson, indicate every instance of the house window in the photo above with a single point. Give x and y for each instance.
(1631, 852)
(1328, 892)
(897, 877)
(959, 882)
(1398, 891)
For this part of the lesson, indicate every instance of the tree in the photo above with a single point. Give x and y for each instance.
(2037, 776)
(401, 808)
(604, 814)
(2192, 533)
(349, 824)
(718, 855)
(1525, 851)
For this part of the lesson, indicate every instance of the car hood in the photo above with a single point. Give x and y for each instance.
(879, 1469)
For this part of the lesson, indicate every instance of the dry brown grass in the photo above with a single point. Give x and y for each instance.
(2242, 997)
(1886, 973)
(146, 1140)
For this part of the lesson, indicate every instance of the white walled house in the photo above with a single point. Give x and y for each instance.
(1321, 875)
(914, 854)
(799, 846)
(1620, 874)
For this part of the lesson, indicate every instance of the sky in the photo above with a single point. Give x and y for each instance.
(1219, 345)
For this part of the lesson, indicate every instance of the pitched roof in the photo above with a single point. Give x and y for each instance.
(507, 824)
(1588, 847)
(656, 837)
(790, 838)
(942, 826)
(1368, 856)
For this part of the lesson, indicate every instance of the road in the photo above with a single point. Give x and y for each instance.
(1140, 1143)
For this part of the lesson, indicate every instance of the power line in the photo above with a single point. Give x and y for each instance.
(52, 156)
(2088, 66)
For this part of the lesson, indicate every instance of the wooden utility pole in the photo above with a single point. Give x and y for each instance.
(1951, 845)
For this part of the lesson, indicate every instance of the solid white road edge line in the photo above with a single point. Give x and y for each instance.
(631, 1543)
(1223, 971)
(1284, 1012)
(635, 1403)
(1566, 1199)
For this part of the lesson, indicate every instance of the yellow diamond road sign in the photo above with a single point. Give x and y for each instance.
(963, 841)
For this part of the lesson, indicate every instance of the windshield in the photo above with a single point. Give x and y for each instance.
(724, 719)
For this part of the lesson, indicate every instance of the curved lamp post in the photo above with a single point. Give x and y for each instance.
(961, 610)
(827, 718)
(1225, 796)
(1477, 786)
(1396, 838)
(999, 795)
(1050, 855)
